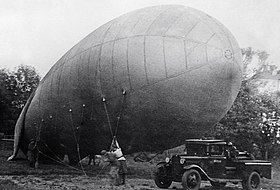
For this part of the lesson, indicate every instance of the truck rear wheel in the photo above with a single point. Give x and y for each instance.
(160, 178)
(253, 182)
(191, 180)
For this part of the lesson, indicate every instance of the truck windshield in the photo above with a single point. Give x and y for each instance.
(216, 150)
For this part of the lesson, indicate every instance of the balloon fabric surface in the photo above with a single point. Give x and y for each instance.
(152, 77)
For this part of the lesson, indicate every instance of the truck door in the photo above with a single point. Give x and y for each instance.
(217, 161)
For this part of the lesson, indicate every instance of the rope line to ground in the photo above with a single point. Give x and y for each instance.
(58, 160)
(77, 143)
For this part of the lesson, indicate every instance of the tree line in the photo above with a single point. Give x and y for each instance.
(252, 123)
(15, 88)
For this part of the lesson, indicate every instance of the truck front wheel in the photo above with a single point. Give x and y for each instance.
(161, 179)
(191, 180)
(253, 182)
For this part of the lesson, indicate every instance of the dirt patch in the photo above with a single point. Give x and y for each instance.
(72, 182)
(75, 182)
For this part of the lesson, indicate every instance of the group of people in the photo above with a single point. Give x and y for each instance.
(115, 157)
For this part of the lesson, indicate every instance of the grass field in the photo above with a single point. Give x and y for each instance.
(19, 176)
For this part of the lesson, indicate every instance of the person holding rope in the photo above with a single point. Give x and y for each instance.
(121, 159)
(117, 157)
(117, 163)
(114, 166)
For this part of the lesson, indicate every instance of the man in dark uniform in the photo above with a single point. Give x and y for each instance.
(232, 151)
(32, 154)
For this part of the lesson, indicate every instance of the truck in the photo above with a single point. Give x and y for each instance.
(213, 160)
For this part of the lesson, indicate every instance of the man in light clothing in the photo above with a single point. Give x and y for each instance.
(114, 166)
(122, 161)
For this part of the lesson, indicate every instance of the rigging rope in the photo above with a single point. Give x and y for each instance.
(120, 113)
(58, 160)
(62, 163)
(77, 143)
(107, 115)
(82, 116)
(114, 134)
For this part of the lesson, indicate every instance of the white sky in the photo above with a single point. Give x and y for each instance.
(39, 32)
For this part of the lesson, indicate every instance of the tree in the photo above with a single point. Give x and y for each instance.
(16, 86)
(247, 56)
(5, 114)
(252, 121)
(254, 62)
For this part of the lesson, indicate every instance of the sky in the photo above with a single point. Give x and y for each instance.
(39, 32)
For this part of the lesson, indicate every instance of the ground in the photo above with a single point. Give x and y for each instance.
(19, 176)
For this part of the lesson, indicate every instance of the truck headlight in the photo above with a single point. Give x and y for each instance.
(167, 159)
(182, 160)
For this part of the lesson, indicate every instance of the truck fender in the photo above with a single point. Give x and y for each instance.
(161, 163)
(200, 170)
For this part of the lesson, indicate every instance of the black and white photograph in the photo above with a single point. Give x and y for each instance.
(139, 94)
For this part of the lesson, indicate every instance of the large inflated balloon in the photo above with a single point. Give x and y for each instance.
(165, 71)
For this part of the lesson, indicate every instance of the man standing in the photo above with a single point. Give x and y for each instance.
(32, 154)
(122, 161)
(114, 166)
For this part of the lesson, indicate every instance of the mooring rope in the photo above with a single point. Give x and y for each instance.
(77, 143)
(120, 112)
(107, 115)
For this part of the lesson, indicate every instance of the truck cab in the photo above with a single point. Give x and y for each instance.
(216, 161)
